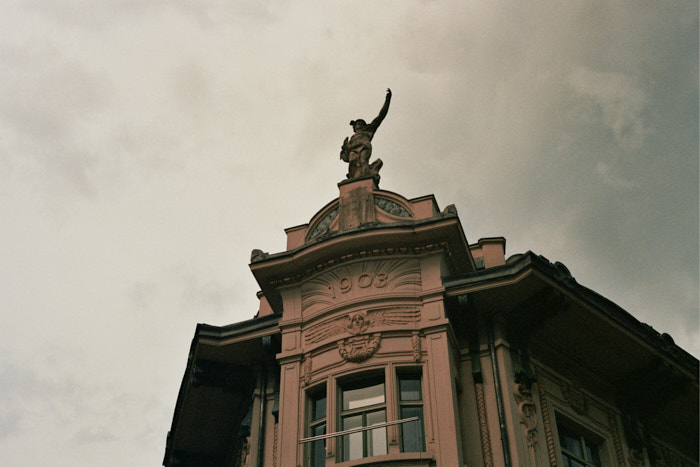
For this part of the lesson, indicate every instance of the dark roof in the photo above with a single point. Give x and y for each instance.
(559, 274)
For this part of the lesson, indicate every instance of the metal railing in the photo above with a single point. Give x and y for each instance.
(357, 430)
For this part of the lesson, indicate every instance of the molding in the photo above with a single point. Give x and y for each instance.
(361, 254)
(617, 442)
(548, 429)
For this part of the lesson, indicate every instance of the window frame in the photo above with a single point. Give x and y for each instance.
(392, 406)
(415, 374)
(353, 383)
(586, 438)
(316, 394)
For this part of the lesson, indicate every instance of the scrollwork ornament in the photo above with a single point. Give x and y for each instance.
(528, 412)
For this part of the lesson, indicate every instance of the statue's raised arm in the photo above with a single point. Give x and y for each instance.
(357, 149)
(382, 113)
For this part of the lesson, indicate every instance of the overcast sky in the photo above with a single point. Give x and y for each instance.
(146, 147)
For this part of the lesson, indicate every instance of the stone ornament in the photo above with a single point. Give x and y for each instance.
(415, 346)
(527, 411)
(391, 207)
(357, 149)
(357, 323)
(484, 437)
(306, 375)
(358, 280)
(576, 399)
(322, 226)
(359, 348)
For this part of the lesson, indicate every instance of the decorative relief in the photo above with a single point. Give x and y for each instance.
(306, 371)
(321, 226)
(528, 412)
(483, 426)
(358, 280)
(360, 321)
(391, 207)
(359, 348)
(369, 253)
(636, 458)
(415, 346)
(275, 446)
(245, 452)
(576, 399)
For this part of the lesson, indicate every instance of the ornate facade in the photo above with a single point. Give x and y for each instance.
(384, 337)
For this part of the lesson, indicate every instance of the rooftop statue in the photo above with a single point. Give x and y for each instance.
(357, 149)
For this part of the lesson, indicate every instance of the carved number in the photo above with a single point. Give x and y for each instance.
(364, 281)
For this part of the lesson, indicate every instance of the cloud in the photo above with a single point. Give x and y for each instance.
(620, 100)
(608, 177)
(147, 147)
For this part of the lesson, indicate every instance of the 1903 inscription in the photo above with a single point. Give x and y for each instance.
(360, 279)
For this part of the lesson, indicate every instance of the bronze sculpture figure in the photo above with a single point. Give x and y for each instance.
(357, 149)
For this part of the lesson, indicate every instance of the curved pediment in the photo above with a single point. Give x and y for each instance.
(377, 206)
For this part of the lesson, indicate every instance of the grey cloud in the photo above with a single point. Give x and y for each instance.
(621, 100)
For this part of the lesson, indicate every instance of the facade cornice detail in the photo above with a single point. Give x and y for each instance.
(360, 254)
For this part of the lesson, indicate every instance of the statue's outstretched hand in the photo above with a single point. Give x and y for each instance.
(388, 92)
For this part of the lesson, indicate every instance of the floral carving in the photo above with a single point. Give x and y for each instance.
(359, 348)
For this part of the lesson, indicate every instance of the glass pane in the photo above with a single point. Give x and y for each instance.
(409, 388)
(376, 439)
(318, 407)
(352, 443)
(318, 449)
(571, 443)
(569, 461)
(412, 432)
(364, 396)
(592, 452)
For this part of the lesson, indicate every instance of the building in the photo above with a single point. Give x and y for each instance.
(384, 338)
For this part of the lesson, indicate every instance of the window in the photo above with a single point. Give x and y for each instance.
(317, 426)
(578, 449)
(411, 405)
(363, 404)
(359, 417)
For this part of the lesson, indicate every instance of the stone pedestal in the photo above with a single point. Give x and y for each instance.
(356, 202)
